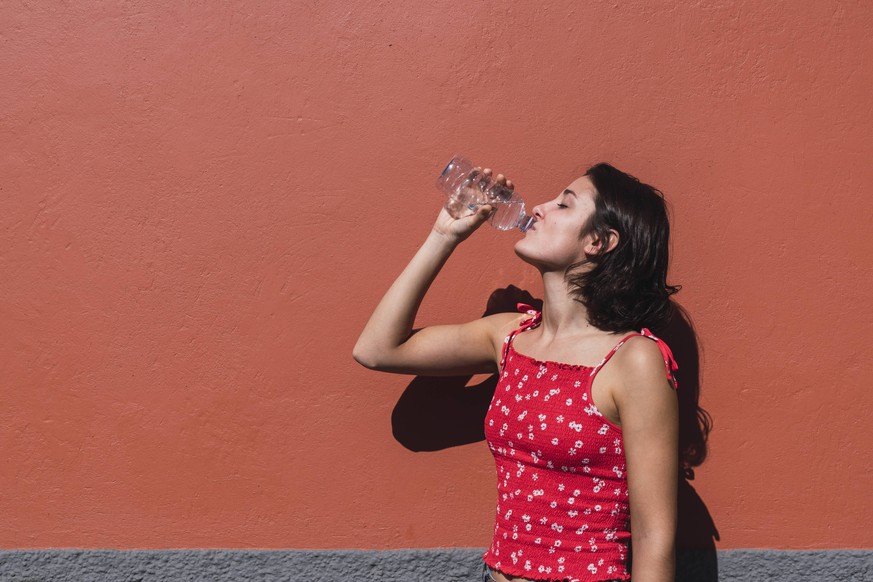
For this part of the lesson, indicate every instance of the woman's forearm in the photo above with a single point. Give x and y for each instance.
(654, 558)
(391, 322)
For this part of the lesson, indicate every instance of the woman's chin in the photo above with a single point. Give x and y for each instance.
(524, 253)
(519, 249)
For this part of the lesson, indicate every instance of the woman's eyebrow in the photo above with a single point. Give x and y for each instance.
(568, 191)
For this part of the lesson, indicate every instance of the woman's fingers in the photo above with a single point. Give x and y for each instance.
(500, 179)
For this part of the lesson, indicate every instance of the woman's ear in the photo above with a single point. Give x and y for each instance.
(596, 247)
(613, 240)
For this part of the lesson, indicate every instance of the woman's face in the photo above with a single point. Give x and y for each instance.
(555, 242)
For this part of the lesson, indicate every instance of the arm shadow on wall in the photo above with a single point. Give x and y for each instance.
(436, 413)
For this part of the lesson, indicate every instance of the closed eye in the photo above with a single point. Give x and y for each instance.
(561, 205)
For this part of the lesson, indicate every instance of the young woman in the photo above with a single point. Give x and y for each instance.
(583, 423)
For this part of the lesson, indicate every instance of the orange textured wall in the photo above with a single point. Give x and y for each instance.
(201, 202)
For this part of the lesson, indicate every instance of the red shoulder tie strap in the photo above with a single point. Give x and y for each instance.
(526, 324)
(669, 360)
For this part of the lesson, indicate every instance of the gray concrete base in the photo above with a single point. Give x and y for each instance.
(451, 564)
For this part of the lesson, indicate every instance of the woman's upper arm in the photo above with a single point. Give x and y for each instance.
(648, 410)
(446, 350)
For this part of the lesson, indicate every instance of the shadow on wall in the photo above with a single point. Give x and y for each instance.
(436, 413)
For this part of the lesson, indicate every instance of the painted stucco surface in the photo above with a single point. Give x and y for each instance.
(201, 203)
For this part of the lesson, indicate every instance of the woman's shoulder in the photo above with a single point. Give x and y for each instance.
(642, 360)
(504, 323)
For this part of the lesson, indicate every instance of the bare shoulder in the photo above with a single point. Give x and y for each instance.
(499, 325)
(641, 369)
(641, 353)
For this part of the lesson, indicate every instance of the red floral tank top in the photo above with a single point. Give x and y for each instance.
(562, 493)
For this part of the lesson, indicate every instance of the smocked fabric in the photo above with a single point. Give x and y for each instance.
(562, 493)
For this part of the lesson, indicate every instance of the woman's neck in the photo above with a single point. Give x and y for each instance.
(562, 314)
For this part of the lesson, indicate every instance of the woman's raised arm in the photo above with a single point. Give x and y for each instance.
(389, 344)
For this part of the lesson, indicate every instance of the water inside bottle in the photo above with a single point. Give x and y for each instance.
(507, 214)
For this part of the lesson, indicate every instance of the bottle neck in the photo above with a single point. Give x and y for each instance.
(525, 222)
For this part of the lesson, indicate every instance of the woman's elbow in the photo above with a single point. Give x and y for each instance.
(659, 542)
(365, 356)
(371, 356)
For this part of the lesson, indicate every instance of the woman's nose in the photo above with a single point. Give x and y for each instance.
(538, 211)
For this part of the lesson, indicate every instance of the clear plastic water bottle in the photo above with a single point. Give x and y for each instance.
(467, 188)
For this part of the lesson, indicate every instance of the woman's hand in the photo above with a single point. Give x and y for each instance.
(456, 230)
